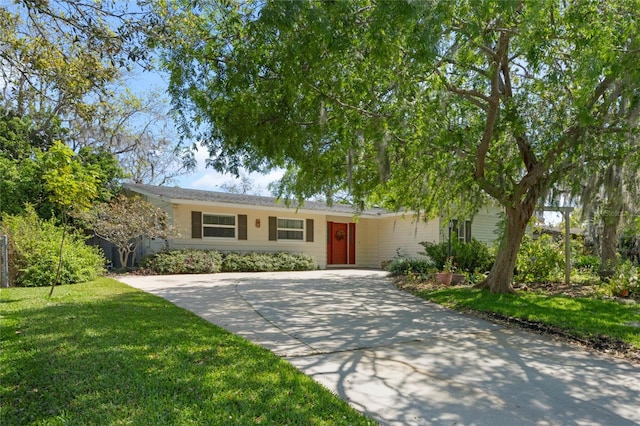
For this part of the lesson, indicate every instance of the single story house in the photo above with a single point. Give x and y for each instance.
(333, 235)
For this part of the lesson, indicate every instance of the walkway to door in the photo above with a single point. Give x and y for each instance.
(404, 361)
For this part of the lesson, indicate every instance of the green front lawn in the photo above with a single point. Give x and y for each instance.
(104, 353)
(581, 317)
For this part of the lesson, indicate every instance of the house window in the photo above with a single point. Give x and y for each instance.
(218, 226)
(462, 228)
(291, 229)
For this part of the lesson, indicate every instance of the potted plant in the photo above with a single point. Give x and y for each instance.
(448, 275)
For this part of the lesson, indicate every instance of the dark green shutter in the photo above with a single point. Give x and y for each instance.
(273, 228)
(467, 231)
(242, 226)
(196, 224)
(309, 230)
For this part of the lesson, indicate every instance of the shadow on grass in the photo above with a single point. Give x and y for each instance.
(582, 317)
(135, 358)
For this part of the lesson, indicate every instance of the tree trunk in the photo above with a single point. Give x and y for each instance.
(609, 237)
(124, 253)
(500, 278)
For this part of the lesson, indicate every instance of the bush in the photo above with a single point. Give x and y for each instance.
(587, 262)
(403, 266)
(294, 262)
(625, 281)
(184, 262)
(539, 260)
(35, 252)
(266, 262)
(210, 261)
(468, 257)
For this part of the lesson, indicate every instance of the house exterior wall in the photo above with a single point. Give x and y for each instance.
(257, 232)
(378, 238)
(485, 224)
(404, 234)
(367, 242)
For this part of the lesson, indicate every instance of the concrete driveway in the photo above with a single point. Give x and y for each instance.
(404, 361)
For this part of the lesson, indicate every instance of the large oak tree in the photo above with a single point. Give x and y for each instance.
(433, 106)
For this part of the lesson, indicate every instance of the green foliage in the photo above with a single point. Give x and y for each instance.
(265, 262)
(587, 262)
(629, 244)
(539, 260)
(35, 249)
(184, 262)
(427, 106)
(625, 280)
(68, 182)
(38, 170)
(209, 261)
(467, 257)
(581, 317)
(403, 266)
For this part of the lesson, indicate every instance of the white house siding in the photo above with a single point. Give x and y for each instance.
(485, 223)
(404, 234)
(378, 236)
(367, 243)
(257, 237)
(366, 238)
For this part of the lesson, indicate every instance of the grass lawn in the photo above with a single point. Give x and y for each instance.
(588, 319)
(104, 353)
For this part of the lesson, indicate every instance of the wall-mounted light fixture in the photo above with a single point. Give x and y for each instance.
(257, 223)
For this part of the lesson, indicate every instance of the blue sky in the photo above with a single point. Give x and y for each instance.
(204, 178)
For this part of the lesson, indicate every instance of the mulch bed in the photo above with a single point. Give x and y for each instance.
(601, 344)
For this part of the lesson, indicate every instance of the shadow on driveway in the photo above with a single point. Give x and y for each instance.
(405, 361)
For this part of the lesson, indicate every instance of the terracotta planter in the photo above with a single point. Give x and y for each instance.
(444, 277)
(457, 279)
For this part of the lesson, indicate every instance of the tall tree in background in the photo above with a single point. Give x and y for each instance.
(610, 199)
(64, 63)
(431, 106)
(25, 160)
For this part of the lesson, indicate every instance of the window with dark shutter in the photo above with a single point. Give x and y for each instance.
(467, 231)
(196, 224)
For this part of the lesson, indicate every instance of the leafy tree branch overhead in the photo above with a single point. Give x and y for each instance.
(422, 105)
(63, 67)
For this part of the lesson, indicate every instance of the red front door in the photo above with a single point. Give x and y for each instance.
(338, 243)
(341, 243)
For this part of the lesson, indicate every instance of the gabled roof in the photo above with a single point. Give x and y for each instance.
(177, 195)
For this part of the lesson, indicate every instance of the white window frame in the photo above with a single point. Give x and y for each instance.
(461, 229)
(301, 230)
(234, 226)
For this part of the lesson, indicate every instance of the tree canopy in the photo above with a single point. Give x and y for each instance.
(432, 106)
(63, 66)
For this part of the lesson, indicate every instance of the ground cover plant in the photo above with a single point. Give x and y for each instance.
(104, 353)
(571, 312)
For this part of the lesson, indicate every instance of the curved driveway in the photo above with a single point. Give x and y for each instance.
(404, 361)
